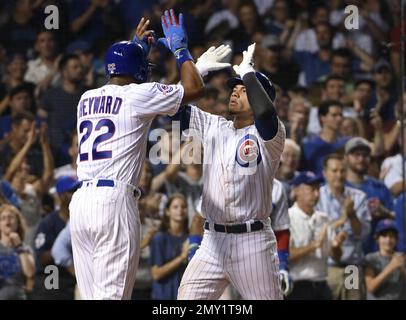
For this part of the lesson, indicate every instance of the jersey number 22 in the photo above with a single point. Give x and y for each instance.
(87, 126)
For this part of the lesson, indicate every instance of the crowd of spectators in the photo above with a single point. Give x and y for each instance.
(338, 95)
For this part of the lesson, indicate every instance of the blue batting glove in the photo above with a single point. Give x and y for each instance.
(175, 36)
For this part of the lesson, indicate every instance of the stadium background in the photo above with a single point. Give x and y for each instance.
(302, 46)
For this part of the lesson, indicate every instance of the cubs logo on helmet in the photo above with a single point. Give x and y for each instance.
(248, 153)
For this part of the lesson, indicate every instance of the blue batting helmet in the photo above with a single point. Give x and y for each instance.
(127, 58)
(263, 79)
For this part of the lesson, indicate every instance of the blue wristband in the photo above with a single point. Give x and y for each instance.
(182, 55)
(283, 259)
(194, 244)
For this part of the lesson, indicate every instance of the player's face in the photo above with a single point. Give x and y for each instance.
(335, 173)
(178, 210)
(239, 101)
(358, 161)
(8, 221)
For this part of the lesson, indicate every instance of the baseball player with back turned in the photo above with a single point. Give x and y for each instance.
(239, 164)
(113, 123)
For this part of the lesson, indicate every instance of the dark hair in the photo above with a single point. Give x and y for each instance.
(362, 81)
(341, 52)
(325, 106)
(332, 156)
(21, 116)
(65, 60)
(332, 77)
(18, 89)
(165, 219)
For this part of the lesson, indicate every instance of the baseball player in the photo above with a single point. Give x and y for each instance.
(112, 126)
(239, 164)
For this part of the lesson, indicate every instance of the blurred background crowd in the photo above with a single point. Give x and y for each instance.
(338, 93)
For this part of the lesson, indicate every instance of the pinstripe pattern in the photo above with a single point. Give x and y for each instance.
(105, 225)
(105, 241)
(233, 193)
(248, 261)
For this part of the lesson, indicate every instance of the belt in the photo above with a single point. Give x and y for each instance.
(109, 183)
(236, 228)
(100, 183)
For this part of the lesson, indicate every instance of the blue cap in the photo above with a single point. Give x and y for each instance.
(66, 183)
(386, 224)
(78, 45)
(305, 177)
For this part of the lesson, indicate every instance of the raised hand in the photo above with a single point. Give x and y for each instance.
(247, 62)
(213, 59)
(175, 35)
(146, 38)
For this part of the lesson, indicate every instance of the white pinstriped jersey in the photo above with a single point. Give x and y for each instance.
(238, 170)
(280, 215)
(113, 123)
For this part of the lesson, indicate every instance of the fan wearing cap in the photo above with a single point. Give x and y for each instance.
(380, 201)
(239, 164)
(384, 97)
(49, 228)
(385, 270)
(311, 241)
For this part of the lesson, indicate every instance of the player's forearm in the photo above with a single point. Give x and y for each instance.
(262, 106)
(160, 272)
(191, 81)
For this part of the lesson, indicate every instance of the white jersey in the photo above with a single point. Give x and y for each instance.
(280, 212)
(113, 124)
(234, 190)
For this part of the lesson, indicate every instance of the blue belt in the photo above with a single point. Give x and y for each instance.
(100, 183)
(110, 183)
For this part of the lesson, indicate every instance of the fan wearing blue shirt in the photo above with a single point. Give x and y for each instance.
(380, 202)
(316, 148)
